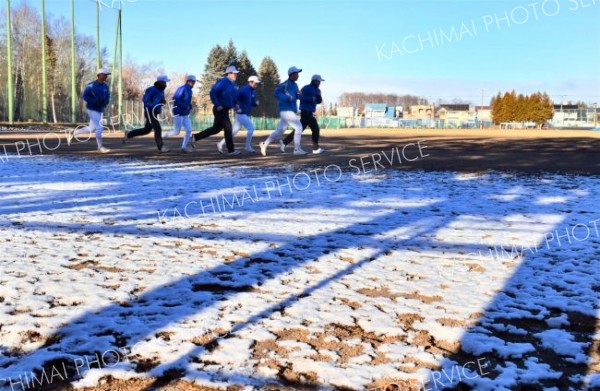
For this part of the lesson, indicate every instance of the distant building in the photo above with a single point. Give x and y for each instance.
(379, 110)
(420, 112)
(483, 113)
(564, 115)
(347, 112)
(572, 116)
(453, 115)
(399, 112)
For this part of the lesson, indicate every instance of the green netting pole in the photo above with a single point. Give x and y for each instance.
(115, 56)
(9, 64)
(120, 106)
(44, 77)
(73, 90)
(98, 65)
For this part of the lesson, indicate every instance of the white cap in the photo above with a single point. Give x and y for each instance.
(231, 69)
(294, 70)
(103, 71)
(191, 78)
(317, 77)
(164, 78)
(255, 79)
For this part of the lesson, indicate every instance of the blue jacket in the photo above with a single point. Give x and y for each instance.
(310, 98)
(287, 94)
(223, 93)
(246, 98)
(182, 100)
(96, 96)
(154, 99)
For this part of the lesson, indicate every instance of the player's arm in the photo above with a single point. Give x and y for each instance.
(282, 94)
(215, 92)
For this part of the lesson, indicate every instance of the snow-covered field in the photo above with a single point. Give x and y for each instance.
(249, 276)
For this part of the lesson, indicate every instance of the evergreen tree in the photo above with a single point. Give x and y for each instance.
(497, 109)
(231, 54)
(542, 108)
(528, 108)
(510, 106)
(521, 113)
(214, 69)
(246, 69)
(270, 80)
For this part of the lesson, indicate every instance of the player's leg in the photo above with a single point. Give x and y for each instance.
(83, 130)
(246, 122)
(98, 129)
(276, 134)
(295, 123)
(142, 131)
(228, 129)
(187, 124)
(177, 124)
(218, 123)
(158, 135)
(237, 125)
(309, 119)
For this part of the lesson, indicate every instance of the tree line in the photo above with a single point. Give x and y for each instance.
(510, 107)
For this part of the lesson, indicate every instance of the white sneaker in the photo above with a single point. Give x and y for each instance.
(318, 151)
(220, 147)
(163, 149)
(250, 150)
(103, 150)
(300, 152)
(70, 136)
(186, 150)
(263, 149)
(234, 153)
(125, 133)
(281, 146)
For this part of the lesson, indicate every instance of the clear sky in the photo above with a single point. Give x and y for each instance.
(433, 48)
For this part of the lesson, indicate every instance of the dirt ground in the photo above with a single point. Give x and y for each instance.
(469, 150)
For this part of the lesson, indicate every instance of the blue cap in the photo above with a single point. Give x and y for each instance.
(164, 78)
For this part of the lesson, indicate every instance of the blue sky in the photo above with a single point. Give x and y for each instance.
(433, 48)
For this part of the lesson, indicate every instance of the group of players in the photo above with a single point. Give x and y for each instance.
(225, 96)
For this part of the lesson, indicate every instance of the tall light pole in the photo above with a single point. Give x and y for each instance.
(120, 104)
(44, 78)
(9, 64)
(98, 65)
(73, 90)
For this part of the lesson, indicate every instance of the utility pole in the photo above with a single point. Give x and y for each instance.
(562, 114)
(481, 109)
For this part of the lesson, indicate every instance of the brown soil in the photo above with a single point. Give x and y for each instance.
(455, 150)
